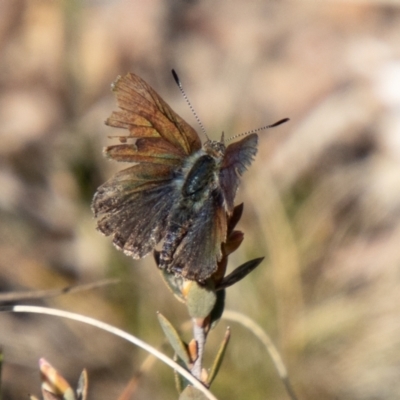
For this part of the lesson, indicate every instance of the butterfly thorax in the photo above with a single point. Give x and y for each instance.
(199, 176)
(200, 172)
(215, 149)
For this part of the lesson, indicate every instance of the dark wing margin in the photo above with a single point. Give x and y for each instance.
(238, 157)
(145, 114)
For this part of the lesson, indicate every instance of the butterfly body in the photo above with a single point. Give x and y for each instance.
(178, 195)
(198, 191)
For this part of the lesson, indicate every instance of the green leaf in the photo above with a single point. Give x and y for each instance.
(239, 273)
(173, 337)
(219, 358)
(200, 300)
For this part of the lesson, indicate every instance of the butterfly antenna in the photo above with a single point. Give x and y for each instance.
(280, 122)
(178, 82)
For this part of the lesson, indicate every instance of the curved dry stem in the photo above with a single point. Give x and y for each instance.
(117, 332)
(268, 344)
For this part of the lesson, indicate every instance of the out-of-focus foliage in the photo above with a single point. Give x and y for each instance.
(322, 200)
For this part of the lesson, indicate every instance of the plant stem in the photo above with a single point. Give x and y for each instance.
(199, 335)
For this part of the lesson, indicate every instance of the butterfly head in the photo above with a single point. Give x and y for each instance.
(215, 149)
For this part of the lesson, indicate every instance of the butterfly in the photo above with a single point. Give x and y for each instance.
(178, 194)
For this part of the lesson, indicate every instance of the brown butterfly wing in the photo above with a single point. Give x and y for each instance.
(238, 157)
(146, 150)
(146, 115)
(134, 206)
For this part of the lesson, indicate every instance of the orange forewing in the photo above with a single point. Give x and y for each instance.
(146, 114)
(138, 126)
(148, 150)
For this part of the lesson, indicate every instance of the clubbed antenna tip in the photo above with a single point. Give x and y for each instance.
(175, 75)
(280, 122)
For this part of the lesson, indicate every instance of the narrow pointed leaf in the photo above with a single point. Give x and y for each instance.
(219, 358)
(235, 217)
(82, 389)
(174, 339)
(239, 273)
(53, 382)
(235, 239)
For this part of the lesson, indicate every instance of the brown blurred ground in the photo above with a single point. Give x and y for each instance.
(322, 200)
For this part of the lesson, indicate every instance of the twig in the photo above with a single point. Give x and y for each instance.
(199, 336)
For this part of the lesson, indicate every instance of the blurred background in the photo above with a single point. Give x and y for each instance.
(322, 199)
